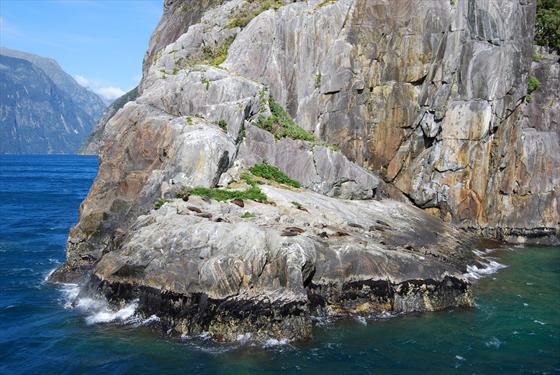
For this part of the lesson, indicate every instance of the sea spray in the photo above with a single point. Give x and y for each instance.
(98, 310)
(485, 265)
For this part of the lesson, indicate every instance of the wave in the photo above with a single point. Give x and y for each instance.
(98, 310)
(48, 275)
(485, 266)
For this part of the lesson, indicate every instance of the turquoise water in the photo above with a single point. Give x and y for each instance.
(515, 327)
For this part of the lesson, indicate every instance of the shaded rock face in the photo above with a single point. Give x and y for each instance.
(424, 100)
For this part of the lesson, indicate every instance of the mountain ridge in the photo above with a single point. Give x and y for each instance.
(54, 119)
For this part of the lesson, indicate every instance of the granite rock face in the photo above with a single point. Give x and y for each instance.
(427, 94)
(94, 142)
(421, 101)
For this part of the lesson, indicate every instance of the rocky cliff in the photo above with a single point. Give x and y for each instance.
(43, 110)
(273, 138)
(94, 142)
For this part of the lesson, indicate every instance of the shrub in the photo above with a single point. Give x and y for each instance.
(251, 10)
(223, 125)
(318, 81)
(532, 84)
(159, 203)
(248, 215)
(213, 56)
(547, 24)
(297, 205)
(253, 193)
(274, 174)
(280, 124)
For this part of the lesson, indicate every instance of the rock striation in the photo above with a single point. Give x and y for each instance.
(413, 126)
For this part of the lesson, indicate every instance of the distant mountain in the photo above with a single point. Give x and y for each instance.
(43, 110)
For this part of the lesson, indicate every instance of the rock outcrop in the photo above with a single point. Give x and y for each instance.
(95, 141)
(420, 101)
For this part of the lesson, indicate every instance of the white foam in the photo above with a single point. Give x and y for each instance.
(487, 267)
(274, 342)
(460, 358)
(361, 320)
(244, 338)
(70, 293)
(493, 343)
(386, 315)
(48, 275)
(539, 322)
(98, 310)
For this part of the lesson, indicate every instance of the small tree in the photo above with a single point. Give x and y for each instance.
(547, 24)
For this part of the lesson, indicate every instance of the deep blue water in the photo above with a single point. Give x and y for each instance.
(515, 327)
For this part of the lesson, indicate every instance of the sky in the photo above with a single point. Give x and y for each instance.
(101, 43)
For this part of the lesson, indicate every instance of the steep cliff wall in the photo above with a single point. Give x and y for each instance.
(427, 93)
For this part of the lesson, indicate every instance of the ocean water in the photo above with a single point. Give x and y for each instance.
(515, 327)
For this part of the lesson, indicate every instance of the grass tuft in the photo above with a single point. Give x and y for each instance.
(253, 193)
(159, 203)
(248, 215)
(274, 174)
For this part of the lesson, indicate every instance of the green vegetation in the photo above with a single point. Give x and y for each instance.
(280, 124)
(206, 82)
(188, 120)
(253, 193)
(547, 24)
(159, 203)
(325, 2)
(248, 215)
(537, 57)
(223, 125)
(297, 205)
(214, 56)
(453, 2)
(318, 81)
(249, 179)
(273, 174)
(252, 9)
(532, 85)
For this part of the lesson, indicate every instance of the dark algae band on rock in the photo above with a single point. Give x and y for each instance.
(228, 319)
(260, 226)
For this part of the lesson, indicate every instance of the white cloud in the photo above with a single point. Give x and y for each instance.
(107, 93)
(110, 92)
